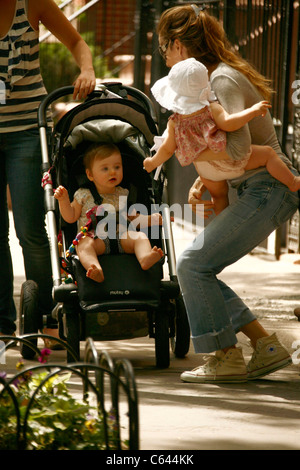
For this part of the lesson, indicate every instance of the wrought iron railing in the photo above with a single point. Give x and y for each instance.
(267, 35)
(111, 383)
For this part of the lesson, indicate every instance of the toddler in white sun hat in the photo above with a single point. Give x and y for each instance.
(196, 132)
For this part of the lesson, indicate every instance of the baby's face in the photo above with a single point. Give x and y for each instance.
(106, 173)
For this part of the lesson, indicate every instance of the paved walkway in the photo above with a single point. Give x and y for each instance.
(263, 414)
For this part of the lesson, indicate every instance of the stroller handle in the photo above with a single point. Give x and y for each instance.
(142, 97)
(69, 90)
(50, 98)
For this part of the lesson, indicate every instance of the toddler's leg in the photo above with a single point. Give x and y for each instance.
(266, 156)
(219, 193)
(139, 244)
(88, 250)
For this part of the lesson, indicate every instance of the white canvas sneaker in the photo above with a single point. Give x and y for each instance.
(221, 368)
(268, 357)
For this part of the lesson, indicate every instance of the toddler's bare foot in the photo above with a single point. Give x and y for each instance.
(151, 258)
(95, 273)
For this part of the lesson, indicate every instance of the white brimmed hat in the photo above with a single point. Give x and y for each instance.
(186, 89)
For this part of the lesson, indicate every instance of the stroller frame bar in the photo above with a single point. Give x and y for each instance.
(50, 210)
(169, 242)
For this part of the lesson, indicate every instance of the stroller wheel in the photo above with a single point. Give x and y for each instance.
(28, 320)
(162, 343)
(180, 342)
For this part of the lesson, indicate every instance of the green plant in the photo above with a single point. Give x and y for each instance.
(52, 418)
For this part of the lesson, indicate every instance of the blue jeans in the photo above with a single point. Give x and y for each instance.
(215, 312)
(20, 163)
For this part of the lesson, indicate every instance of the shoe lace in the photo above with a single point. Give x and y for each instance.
(255, 356)
(211, 361)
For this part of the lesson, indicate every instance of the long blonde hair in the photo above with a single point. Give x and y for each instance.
(205, 40)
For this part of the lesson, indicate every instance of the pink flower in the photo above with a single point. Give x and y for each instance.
(43, 358)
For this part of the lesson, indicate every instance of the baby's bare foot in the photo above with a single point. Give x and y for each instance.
(95, 273)
(151, 258)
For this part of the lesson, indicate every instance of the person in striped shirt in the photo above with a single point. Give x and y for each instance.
(21, 91)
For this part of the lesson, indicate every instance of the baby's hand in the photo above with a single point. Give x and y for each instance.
(61, 194)
(148, 164)
(261, 108)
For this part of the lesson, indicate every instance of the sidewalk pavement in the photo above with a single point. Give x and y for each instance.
(259, 415)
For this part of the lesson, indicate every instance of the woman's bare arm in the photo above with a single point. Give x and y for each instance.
(53, 19)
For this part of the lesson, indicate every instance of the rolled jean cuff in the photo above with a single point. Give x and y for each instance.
(214, 341)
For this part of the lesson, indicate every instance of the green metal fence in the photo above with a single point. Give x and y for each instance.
(266, 33)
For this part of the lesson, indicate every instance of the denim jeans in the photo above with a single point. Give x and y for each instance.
(20, 163)
(215, 312)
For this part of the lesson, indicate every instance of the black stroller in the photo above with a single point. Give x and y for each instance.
(130, 303)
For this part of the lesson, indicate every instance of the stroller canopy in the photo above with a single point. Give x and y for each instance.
(110, 130)
(105, 109)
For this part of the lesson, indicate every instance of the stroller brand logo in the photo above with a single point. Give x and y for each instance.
(119, 292)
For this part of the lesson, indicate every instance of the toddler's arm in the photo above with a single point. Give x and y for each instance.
(232, 122)
(165, 152)
(70, 212)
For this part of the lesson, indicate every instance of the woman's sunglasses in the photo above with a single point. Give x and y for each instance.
(163, 49)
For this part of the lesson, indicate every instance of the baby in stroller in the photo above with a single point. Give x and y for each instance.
(104, 170)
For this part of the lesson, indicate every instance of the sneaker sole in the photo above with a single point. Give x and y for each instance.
(269, 369)
(213, 380)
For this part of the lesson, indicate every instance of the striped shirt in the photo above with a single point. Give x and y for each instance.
(21, 84)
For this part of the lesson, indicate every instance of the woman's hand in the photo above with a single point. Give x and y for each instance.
(195, 199)
(84, 84)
